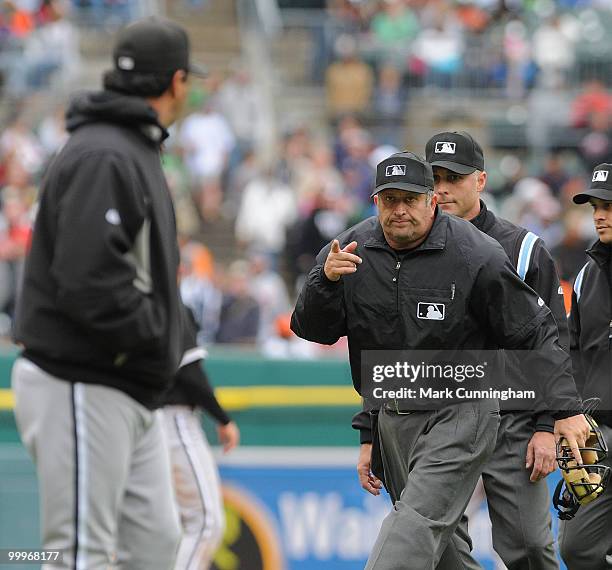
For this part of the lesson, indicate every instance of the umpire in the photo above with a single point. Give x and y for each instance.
(586, 541)
(369, 291)
(518, 498)
(99, 317)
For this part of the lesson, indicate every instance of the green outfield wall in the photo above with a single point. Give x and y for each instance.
(263, 396)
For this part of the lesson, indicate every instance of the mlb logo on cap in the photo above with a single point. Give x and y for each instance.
(600, 176)
(445, 147)
(395, 170)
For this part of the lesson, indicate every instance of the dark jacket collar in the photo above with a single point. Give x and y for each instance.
(113, 107)
(485, 219)
(436, 239)
(600, 253)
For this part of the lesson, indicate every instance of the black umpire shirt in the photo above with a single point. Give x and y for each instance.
(487, 305)
(590, 325)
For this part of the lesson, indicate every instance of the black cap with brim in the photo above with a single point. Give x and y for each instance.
(401, 186)
(454, 166)
(457, 151)
(403, 171)
(601, 185)
(155, 46)
(600, 193)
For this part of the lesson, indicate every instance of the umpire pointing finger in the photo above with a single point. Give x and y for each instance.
(412, 253)
(341, 262)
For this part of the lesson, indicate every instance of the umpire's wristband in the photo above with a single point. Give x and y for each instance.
(563, 414)
(326, 281)
(365, 435)
(544, 422)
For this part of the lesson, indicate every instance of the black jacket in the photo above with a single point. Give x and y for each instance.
(487, 305)
(536, 267)
(590, 326)
(192, 387)
(533, 263)
(100, 302)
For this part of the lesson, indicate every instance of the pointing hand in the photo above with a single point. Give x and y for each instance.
(341, 262)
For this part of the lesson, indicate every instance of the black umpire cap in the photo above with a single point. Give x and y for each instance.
(154, 46)
(601, 185)
(404, 171)
(457, 151)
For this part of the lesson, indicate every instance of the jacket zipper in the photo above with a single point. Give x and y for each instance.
(452, 291)
(396, 281)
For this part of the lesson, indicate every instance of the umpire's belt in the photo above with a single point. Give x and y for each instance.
(397, 407)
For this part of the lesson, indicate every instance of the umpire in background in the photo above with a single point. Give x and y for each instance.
(586, 540)
(369, 290)
(99, 318)
(517, 495)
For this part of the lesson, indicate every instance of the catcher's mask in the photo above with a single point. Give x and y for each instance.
(581, 483)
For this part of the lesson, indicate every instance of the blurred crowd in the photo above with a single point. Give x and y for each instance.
(278, 211)
(370, 53)
(38, 45)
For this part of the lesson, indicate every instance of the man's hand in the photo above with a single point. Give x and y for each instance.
(367, 480)
(341, 262)
(575, 430)
(541, 455)
(229, 436)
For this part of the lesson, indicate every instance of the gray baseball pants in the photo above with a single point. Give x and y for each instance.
(586, 540)
(519, 509)
(432, 461)
(197, 488)
(106, 497)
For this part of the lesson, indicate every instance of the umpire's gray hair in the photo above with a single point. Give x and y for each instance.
(429, 196)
